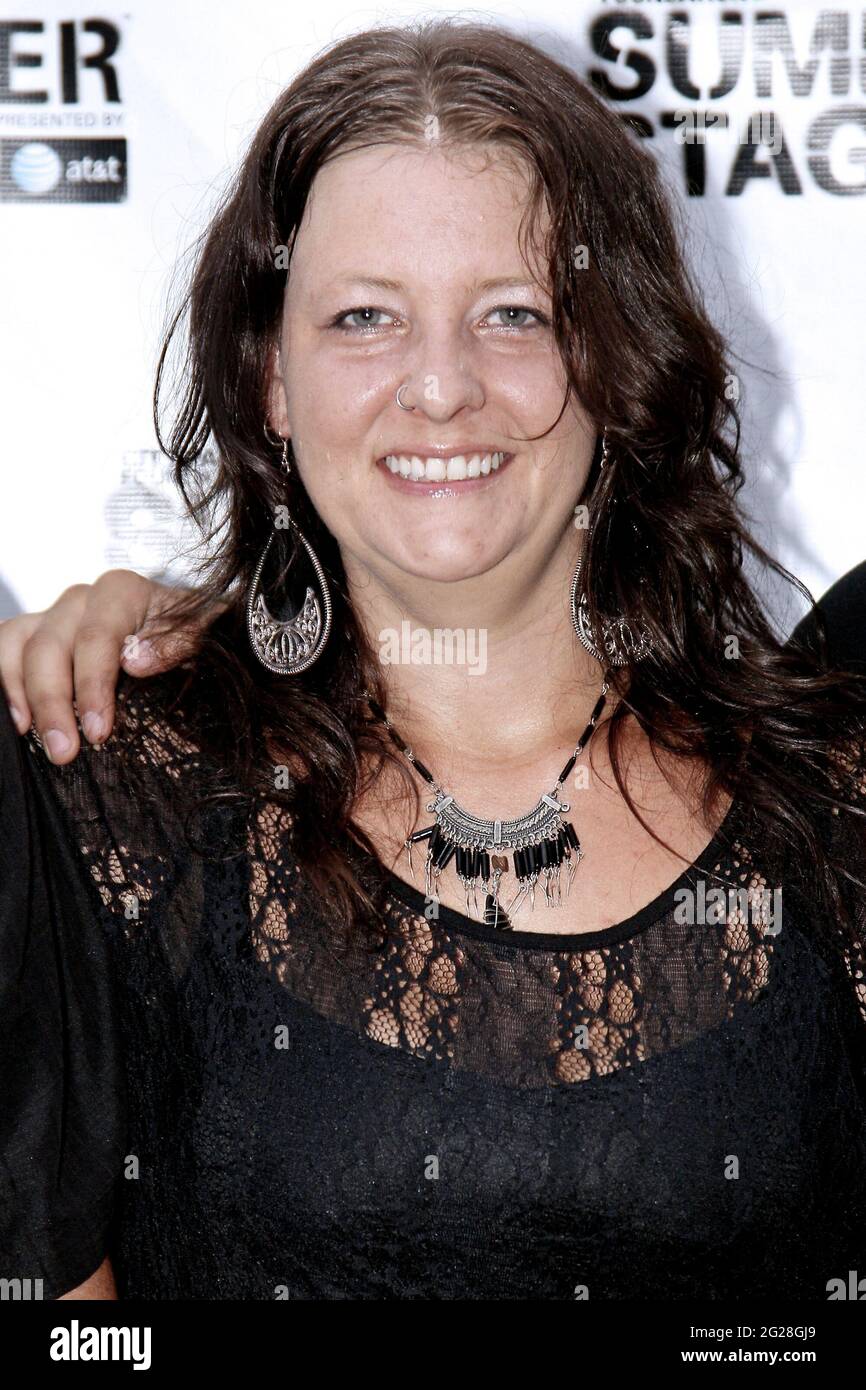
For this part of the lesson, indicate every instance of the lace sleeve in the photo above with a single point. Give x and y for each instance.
(127, 805)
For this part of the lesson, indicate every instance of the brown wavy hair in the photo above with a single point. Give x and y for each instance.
(645, 362)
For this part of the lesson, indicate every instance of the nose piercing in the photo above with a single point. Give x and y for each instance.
(399, 402)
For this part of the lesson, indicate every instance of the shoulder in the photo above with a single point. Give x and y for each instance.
(843, 610)
(152, 734)
(127, 806)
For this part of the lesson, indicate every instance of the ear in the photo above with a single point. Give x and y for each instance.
(277, 406)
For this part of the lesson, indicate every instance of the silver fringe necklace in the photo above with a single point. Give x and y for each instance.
(540, 842)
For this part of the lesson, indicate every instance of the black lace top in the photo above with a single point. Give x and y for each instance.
(664, 1109)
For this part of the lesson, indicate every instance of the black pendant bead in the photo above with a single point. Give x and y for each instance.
(423, 771)
(534, 857)
(439, 847)
(545, 853)
(436, 839)
(460, 861)
(474, 863)
(422, 834)
(599, 706)
(568, 766)
(571, 834)
(445, 855)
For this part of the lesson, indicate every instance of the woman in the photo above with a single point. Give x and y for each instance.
(608, 1041)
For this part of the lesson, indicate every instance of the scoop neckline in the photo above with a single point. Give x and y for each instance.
(458, 923)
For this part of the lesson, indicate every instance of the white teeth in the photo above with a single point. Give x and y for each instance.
(438, 469)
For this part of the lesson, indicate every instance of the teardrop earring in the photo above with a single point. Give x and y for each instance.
(289, 647)
(622, 642)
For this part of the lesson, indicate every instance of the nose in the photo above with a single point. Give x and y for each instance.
(440, 378)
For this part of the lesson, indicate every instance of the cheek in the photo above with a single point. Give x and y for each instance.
(334, 401)
(533, 384)
(331, 470)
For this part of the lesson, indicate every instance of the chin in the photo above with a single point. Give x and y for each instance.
(450, 568)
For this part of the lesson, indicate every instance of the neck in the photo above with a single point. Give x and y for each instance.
(477, 672)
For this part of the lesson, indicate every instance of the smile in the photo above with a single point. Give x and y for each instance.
(457, 468)
(438, 470)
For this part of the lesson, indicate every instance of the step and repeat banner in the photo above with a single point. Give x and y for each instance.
(119, 129)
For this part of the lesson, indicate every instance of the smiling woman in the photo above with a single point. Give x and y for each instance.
(481, 378)
(456, 374)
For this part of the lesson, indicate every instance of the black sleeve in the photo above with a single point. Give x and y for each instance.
(61, 1106)
(843, 608)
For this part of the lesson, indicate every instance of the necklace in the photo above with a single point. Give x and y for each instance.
(540, 841)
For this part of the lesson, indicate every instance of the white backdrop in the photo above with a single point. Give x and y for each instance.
(172, 94)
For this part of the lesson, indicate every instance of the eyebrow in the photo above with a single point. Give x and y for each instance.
(380, 283)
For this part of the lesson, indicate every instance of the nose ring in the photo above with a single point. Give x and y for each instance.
(399, 402)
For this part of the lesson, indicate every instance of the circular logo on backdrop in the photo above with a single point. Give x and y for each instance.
(35, 167)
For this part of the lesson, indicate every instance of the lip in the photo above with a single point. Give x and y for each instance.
(444, 487)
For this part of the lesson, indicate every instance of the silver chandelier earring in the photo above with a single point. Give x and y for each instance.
(288, 646)
(622, 642)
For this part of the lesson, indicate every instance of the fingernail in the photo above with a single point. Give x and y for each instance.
(93, 726)
(17, 717)
(137, 649)
(56, 743)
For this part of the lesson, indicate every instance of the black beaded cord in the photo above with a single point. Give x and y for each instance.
(475, 863)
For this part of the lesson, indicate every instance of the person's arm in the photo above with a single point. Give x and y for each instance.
(75, 649)
(62, 1125)
(100, 1285)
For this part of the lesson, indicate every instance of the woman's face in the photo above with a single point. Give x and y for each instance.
(479, 362)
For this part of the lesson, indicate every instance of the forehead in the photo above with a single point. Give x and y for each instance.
(397, 212)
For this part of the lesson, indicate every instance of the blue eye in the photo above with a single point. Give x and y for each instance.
(341, 323)
(517, 309)
(338, 322)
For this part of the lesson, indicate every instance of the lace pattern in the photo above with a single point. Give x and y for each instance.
(523, 1016)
